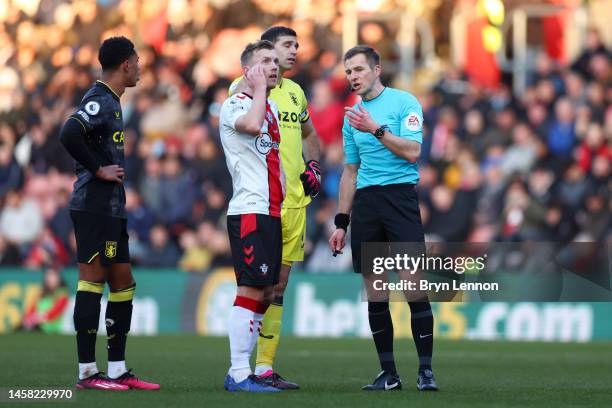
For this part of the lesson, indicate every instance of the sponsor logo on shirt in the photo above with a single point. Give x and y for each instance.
(414, 122)
(264, 143)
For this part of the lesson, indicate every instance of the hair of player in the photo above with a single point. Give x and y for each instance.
(273, 33)
(251, 48)
(370, 53)
(114, 51)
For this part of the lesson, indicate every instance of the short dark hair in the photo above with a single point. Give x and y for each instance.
(250, 49)
(370, 53)
(272, 33)
(114, 51)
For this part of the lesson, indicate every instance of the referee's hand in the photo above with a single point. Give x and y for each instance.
(361, 119)
(111, 173)
(336, 241)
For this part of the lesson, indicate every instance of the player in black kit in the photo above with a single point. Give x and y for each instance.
(94, 137)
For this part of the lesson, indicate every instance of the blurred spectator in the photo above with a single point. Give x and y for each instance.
(20, 220)
(47, 153)
(61, 223)
(47, 250)
(593, 146)
(139, 218)
(161, 252)
(561, 135)
(327, 112)
(196, 258)
(11, 174)
(450, 215)
(522, 154)
(47, 311)
(150, 186)
(9, 253)
(594, 48)
(208, 163)
(176, 193)
(574, 186)
(595, 220)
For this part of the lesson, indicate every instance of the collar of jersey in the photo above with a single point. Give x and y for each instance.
(109, 88)
(376, 97)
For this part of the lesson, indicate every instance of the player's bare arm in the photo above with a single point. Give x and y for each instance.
(251, 122)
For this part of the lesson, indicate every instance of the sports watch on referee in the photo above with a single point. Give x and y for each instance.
(380, 132)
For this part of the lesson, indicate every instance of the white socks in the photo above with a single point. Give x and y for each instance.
(116, 368)
(261, 369)
(241, 329)
(87, 370)
(257, 318)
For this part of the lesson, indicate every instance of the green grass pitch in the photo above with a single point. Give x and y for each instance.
(191, 369)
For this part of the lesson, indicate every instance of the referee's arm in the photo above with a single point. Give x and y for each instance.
(348, 186)
(404, 148)
(345, 202)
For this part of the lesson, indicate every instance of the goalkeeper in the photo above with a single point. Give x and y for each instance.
(303, 181)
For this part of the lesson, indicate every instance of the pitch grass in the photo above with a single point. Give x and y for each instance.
(191, 369)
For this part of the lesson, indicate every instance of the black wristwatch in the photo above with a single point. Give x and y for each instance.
(380, 132)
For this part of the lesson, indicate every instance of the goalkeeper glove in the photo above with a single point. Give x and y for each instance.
(311, 178)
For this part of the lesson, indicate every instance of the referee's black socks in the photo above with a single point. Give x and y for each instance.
(382, 332)
(421, 319)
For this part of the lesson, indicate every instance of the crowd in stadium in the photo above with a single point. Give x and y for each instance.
(494, 167)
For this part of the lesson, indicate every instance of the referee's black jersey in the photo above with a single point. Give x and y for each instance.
(101, 117)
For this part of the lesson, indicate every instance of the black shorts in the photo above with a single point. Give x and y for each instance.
(387, 213)
(102, 235)
(257, 245)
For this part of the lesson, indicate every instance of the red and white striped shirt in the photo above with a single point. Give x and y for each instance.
(253, 162)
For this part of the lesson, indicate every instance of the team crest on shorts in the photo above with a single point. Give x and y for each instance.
(111, 249)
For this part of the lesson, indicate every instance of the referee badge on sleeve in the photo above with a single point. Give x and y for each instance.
(414, 122)
(111, 249)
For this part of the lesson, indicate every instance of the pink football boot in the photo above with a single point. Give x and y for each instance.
(99, 381)
(129, 380)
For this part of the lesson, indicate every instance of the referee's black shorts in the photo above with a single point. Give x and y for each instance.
(388, 213)
(100, 235)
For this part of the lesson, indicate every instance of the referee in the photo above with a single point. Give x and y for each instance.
(382, 142)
